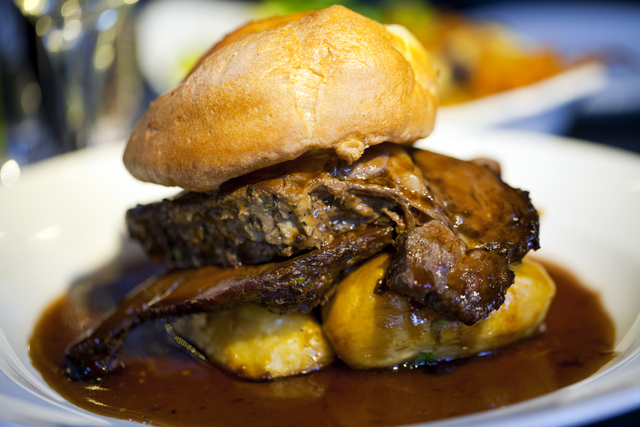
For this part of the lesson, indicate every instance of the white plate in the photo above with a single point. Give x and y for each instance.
(550, 105)
(170, 33)
(64, 219)
(609, 30)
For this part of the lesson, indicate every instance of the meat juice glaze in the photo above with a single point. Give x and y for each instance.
(163, 385)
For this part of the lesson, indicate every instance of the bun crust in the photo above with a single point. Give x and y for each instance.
(277, 88)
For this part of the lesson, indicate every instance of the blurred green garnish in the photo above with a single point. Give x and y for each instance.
(410, 13)
(397, 11)
(425, 357)
(281, 7)
(188, 61)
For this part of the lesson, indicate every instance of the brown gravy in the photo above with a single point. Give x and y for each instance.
(165, 387)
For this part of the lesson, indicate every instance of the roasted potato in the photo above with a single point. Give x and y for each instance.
(372, 330)
(257, 344)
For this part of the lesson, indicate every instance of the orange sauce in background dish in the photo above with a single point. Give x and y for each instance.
(163, 385)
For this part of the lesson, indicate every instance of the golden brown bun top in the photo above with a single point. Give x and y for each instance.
(277, 88)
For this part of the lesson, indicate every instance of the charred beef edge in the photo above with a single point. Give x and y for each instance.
(298, 284)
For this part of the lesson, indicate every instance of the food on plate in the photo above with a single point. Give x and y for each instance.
(369, 329)
(475, 58)
(253, 342)
(164, 385)
(292, 140)
(276, 93)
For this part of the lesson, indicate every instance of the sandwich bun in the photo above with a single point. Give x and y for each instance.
(280, 87)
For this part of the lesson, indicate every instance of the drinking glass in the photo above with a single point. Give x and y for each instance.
(78, 38)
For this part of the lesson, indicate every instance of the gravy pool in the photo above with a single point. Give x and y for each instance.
(161, 385)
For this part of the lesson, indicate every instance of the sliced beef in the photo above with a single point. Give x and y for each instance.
(462, 272)
(458, 225)
(286, 209)
(297, 284)
(485, 212)
(433, 266)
